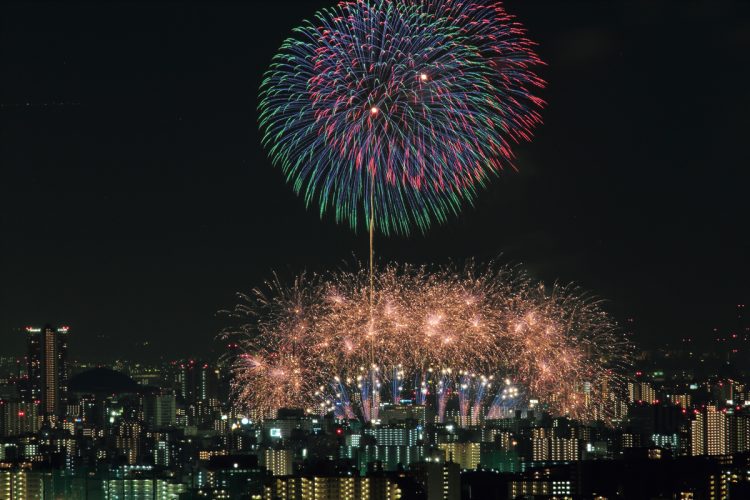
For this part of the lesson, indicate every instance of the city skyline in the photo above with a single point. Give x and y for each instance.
(171, 430)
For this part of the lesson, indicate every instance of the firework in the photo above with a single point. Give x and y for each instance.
(505, 401)
(399, 109)
(450, 332)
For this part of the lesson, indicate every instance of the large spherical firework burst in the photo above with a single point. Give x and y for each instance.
(434, 332)
(403, 107)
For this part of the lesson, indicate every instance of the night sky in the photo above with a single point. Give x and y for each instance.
(135, 198)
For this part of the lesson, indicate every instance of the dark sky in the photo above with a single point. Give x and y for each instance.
(135, 198)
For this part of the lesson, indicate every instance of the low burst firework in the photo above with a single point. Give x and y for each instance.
(450, 332)
(400, 108)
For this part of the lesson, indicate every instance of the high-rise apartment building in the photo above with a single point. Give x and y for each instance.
(279, 462)
(697, 436)
(160, 410)
(440, 480)
(641, 392)
(334, 488)
(18, 418)
(47, 368)
(128, 441)
(714, 432)
(743, 329)
(546, 447)
(197, 381)
(739, 434)
(466, 455)
(392, 435)
(32, 388)
(21, 484)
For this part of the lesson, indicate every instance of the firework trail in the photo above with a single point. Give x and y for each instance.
(399, 109)
(483, 383)
(464, 391)
(505, 400)
(465, 325)
(396, 379)
(421, 390)
(337, 401)
(369, 387)
(443, 393)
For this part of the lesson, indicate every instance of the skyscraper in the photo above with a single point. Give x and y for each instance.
(716, 432)
(197, 381)
(47, 368)
(32, 389)
(697, 435)
(742, 329)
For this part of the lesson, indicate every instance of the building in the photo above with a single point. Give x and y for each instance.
(440, 480)
(197, 385)
(466, 455)
(20, 484)
(397, 436)
(163, 456)
(544, 482)
(709, 432)
(697, 435)
(233, 477)
(739, 433)
(128, 441)
(334, 488)
(19, 418)
(47, 369)
(682, 400)
(392, 457)
(31, 389)
(641, 392)
(391, 414)
(716, 432)
(160, 410)
(279, 462)
(667, 441)
(555, 449)
(197, 381)
(282, 427)
(142, 488)
(530, 488)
